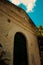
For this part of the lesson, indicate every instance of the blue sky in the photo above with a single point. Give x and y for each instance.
(34, 10)
(37, 15)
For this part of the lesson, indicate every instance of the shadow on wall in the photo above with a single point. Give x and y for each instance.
(4, 59)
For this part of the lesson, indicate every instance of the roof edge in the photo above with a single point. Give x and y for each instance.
(28, 17)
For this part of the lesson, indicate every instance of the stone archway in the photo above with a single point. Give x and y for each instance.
(20, 50)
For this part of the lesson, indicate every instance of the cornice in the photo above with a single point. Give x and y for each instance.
(19, 11)
(15, 15)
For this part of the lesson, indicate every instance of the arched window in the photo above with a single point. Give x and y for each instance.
(20, 50)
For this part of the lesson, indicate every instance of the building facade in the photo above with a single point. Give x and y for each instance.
(17, 35)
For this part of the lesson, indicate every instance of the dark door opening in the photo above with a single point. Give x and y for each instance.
(20, 50)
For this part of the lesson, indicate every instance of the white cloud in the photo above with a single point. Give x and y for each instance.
(28, 3)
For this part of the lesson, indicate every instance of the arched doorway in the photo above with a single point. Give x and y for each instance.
(20, 50)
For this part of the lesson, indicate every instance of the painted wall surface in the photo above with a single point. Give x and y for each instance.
(8, 28)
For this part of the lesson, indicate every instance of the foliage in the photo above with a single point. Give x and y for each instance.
(39, 31)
